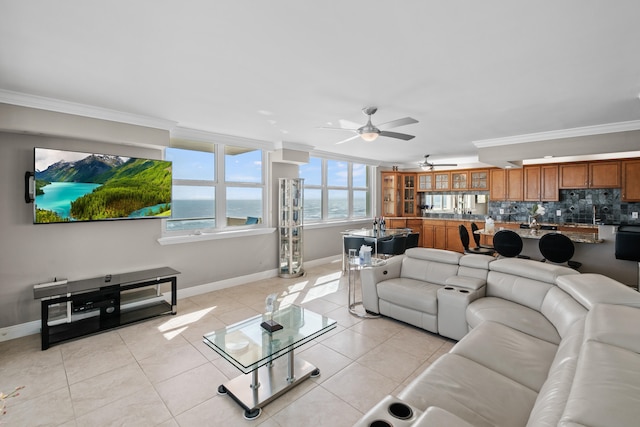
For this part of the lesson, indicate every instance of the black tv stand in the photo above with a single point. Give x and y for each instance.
(74, 309)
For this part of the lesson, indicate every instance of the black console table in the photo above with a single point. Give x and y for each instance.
(83, 307)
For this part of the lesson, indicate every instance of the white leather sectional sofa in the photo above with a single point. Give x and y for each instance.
(539, 344)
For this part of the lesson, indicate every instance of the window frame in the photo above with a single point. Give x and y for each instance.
(221, 229)
(325, 188)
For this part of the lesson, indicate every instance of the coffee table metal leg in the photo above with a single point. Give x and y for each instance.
(255, 390)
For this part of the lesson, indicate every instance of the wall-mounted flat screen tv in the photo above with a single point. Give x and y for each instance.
(72, 186)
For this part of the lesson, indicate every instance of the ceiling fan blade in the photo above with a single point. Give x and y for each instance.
(397, 135)
(348, 139)
(444, 164)
(397, 123)
(334, 128)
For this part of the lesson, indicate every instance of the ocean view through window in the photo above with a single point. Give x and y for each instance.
(197, 182)
(335, 190)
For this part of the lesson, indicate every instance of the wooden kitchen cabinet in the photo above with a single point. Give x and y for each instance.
(605, 174)
(479, 179)
(574, 175)
(442, 181)
(631, 180)
(459, 180)
(391, 189)
(425, 181)
(506, 184)
(409, 194)
(541, 183)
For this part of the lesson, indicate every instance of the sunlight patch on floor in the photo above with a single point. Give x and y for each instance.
(180, 323)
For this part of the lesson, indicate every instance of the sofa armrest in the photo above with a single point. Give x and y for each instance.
(471, 283)
(371, 276)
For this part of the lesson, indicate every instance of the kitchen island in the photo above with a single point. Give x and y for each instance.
(594, 244)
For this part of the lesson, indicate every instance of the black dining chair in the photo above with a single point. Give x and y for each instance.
(394, 246)
(412, 240)
(508, 244)
(476, 237)
(464, 238)
(558, 248)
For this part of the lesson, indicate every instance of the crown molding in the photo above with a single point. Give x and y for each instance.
(67, 107)
(189, 134)
(560, 134)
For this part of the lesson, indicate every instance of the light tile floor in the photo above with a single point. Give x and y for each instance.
(159, 373)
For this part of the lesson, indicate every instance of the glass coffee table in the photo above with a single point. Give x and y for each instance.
(253, 350)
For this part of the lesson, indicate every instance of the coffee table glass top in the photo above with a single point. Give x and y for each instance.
(247, 346)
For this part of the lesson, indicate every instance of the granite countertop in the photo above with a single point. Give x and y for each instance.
(575, 236)
(480, 220)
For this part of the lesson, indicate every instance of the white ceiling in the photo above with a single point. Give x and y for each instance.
(276, 70)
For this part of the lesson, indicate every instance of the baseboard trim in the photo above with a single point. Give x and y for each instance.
(33, 327)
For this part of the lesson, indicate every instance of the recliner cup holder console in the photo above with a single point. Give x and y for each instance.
(400, 410)
(451, 288)
(390, 412)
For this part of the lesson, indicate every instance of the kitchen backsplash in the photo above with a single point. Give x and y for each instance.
(576, 206)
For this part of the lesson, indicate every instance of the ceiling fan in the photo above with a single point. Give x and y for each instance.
(427, 165)
(369, 132)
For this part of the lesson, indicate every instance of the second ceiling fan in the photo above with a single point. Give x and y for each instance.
(427, 165)
(369, 132)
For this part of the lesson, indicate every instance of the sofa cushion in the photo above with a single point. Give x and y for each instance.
(478, 395)
(410, 293)
(491, 344)
(435, 416)
(511, 314)
(590, 289)
(605, 389)
(562, 310)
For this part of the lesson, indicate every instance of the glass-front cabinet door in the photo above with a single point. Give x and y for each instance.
(290, 233)
(425, 181)
(390, 194)
(479, 180)
(409, 194)
(442, 180)
(459, 180)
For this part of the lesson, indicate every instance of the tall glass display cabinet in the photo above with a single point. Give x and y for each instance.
(290, 233)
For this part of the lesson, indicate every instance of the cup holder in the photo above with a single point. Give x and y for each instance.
(401, 410)
(463, 291)
(449, 288)
(380, 423)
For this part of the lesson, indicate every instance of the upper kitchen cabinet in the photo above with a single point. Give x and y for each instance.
(479, 179)
(442, 181)
(631, 180)
(425, 181)
(541, 183)
(506, 184)
(604, 174)
(459, 180)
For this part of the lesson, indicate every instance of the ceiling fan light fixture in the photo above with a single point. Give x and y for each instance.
(369, 136)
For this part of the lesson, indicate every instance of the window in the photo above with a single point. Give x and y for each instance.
(202, 201)
(335, 190)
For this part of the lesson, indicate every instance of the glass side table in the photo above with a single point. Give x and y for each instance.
(355, 266)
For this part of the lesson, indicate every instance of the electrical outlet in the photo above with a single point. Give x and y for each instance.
(559, 212)
(502, 212)
(634, 215)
